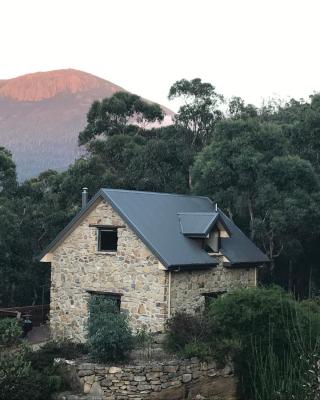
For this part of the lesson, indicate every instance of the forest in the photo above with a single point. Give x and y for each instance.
(260, 164)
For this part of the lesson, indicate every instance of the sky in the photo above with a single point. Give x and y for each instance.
(256, 49)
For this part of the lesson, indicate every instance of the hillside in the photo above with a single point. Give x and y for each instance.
(42, 113)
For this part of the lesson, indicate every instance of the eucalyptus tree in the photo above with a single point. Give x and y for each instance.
(200, 111)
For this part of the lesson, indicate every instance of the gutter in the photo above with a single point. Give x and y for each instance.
(169, 296)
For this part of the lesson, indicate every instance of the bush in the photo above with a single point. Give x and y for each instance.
(275, 334)
(10, 332)
(196, 349)
(19, 381)
(270, 336)
(143, 341)
(185, 330)
(109, 335)
(44, 357)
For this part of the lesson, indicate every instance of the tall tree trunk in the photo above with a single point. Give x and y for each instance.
(310, 283)
(290, 277)
(190, 177)
(252, 230)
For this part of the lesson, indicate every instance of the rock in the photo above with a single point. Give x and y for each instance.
(227, 370)
(196, 374)
(114, 370)
(212, 372)
(85, 372)
(170, 368)
(199, 397)
(96, 389)
(186, 378)
(85, 366)
(139, 378)
(152, 375)
(143, 386)
(106, 382)
(89, 379)
(86, 388)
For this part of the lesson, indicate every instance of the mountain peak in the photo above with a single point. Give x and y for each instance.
(44, 85)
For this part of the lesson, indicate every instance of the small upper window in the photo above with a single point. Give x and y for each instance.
(107, 239)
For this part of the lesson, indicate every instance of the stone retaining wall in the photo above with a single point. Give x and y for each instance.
(170, 380)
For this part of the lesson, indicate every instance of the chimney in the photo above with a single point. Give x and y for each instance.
(84, 196)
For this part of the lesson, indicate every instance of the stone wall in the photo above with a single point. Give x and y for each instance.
(187, 288)
(132, 271)
(170, 380)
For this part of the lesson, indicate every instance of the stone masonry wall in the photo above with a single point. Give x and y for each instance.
(188, 287)
(133, 271)
(170, 380)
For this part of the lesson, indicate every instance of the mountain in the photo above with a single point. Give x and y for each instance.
(41, 115)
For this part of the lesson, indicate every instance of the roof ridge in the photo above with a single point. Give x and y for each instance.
(161, 193)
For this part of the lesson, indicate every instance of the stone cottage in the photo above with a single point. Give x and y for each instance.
(154, 253)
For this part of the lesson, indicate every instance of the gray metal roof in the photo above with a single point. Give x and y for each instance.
(197, 224)
(154, 217)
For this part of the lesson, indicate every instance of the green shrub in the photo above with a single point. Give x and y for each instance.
(44, 357)
(10, 332)
(143, 341)
(274, 333)
(19, 381)
(196, 349)
(185, 329)
(109, 335)
(270, 336)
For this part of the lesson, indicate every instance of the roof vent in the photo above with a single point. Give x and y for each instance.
(84, 196)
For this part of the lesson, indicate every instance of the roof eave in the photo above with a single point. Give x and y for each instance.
(192, 266)
(247, 264)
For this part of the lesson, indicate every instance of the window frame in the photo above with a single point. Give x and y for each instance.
(106, 229)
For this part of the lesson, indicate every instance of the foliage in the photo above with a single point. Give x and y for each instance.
(18, 380)
(44, 357)
(312, 384)
(143, 341)
(196, 349)
(186, 330)
(115, 115)
(109, 335)
(276, 334)
(271, 337)
(8, 176)
(200, 112)
(10, 332)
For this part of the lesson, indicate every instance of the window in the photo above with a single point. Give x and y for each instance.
(107, 239)
(105, 301)
(209, 297)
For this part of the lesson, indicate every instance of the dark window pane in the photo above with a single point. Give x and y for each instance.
(105, 303)
(108, 240)
(209, 297)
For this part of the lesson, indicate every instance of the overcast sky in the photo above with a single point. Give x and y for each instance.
(251, 48)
